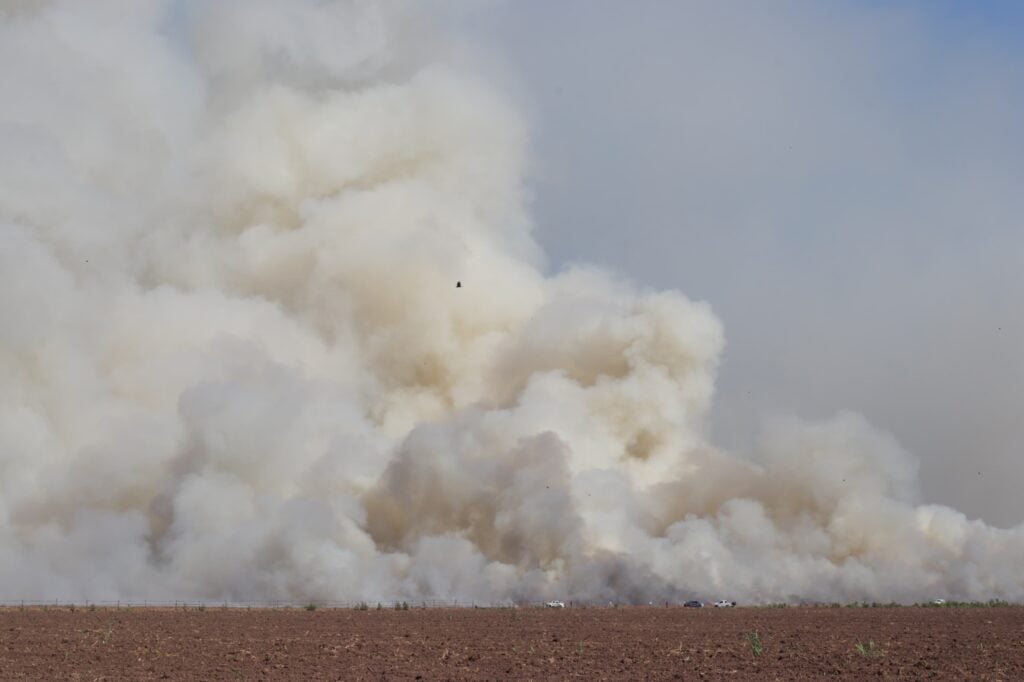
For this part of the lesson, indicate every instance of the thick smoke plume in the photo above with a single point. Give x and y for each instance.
(235, 363)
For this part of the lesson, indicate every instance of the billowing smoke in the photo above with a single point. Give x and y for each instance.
(236, 363)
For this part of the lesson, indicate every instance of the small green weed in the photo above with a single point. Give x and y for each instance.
(866, 649)
(755, 643)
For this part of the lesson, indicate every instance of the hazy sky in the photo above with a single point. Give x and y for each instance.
(841, 181)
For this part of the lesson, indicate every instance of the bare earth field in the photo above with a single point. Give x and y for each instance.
(525, 643)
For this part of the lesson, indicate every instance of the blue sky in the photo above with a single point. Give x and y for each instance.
(841, 181)
(1001, 20)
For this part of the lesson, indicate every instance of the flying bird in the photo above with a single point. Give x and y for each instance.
(458, 285)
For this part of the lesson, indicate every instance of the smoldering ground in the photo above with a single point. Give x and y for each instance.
(236, 365)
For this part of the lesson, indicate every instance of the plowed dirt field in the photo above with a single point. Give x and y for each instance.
(520, 644)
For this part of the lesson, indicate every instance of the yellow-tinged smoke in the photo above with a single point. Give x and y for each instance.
(235, 364)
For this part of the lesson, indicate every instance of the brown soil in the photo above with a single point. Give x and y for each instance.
(525, 643)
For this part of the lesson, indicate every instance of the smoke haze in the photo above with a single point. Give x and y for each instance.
(235, 364)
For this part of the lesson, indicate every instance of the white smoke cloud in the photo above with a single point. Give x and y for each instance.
(236, 365)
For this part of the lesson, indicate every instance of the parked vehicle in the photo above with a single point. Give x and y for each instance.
(693, 604)
(724, 603)
(555, 604)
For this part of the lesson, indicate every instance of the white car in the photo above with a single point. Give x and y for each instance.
(555, 604)
(724, 603)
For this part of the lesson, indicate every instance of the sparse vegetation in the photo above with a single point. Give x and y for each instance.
(755, 643)
(362, 606)
(991, 603)
(866, 648)
(311, 606)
